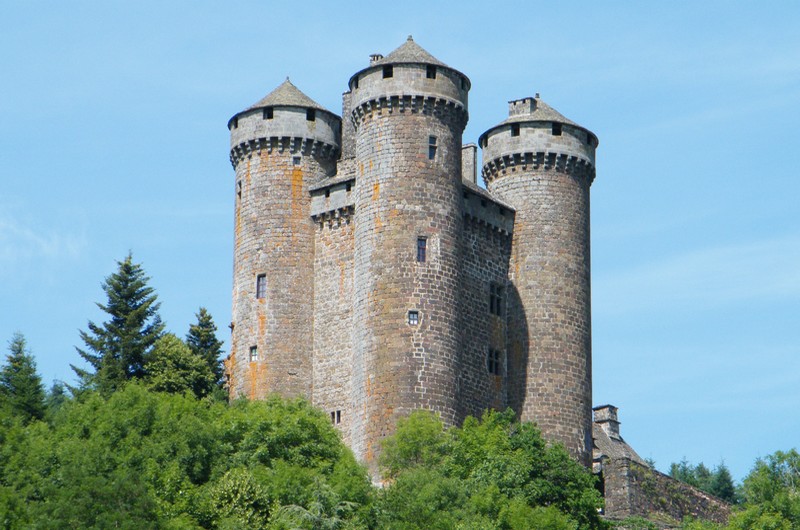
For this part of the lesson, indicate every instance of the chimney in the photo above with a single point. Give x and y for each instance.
(374, 58)
(522, 106)
(469, 163)
(606, 417)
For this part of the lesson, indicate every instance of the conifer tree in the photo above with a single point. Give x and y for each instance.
(117, 349)
(20, 386)
(202, 340)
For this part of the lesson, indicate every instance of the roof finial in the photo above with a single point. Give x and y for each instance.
(287, 78)
(410, 38)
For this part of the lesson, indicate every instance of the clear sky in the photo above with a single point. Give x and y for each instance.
(113, 138)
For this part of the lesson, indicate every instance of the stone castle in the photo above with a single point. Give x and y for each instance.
(373, 275)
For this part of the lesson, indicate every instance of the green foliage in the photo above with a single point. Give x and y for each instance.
(202, 340)
(173, 367)
(492, 473)
(772, 492)
(21, 389)
(718, 482)
(117, 349)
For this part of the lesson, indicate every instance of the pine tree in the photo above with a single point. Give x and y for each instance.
(20, 386)
(202, 340)
(117, 349)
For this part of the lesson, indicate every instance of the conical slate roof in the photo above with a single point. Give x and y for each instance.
(541, 112)
(286, 95)
(410, 52)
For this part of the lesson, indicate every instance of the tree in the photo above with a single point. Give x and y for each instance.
(202, 340)
(116, 350)
(172, 367)
(20, 386)
(718, 482)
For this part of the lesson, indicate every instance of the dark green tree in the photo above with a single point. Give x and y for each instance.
(172, 367)
(202, 340)
(21, 387)
(116, 350)
(718, 482)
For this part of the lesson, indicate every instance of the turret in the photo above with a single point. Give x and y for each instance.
(409, 111)
(280, 147)
(542, 164)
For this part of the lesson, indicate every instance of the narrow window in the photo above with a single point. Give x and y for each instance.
(493, 362)
(333, 417)
(431, 72)
(355, 82)
(311, 115)
(261, 286)
(422, 249)
(296, 161)
(515, 129)
(239, 189)
(338, 417)
(347, 187)
(556, 129)
(496, 299)
(328, 192)
(413, 318)
(253, 354)
(268, 113)
(388, 71)
(431, 147)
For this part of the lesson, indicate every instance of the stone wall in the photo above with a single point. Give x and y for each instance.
(632, 489)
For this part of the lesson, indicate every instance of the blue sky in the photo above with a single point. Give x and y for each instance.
(113, 138)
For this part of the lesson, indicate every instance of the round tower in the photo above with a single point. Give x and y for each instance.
(280, 147)
(409, 112)
(543, 164)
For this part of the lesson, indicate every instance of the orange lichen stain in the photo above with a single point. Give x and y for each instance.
(370, 165)
(247, 174)
(262, 322)
(376, 191)
(369, 388)
(297, 192)
(230, 369)
(341, 277)
(361, 168)
(256, 377)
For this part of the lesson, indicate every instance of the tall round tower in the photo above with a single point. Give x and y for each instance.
(543, 164)
(409, 112)
(280, 147)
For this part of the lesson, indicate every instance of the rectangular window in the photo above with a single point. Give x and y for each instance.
(336, 417)
(431, 72)
(268, 113)
(253, 354)
(431, 147)
(296, 161)
(494, 362)
(261, 286)
(496, 299)
(388, 71)
(422, 249)
(239, 189)
(556, 129)
(311, 115)
(515, 129)
(413, 318)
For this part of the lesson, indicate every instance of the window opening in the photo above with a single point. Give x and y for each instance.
(431, 147)
(493, 362)
(336, 417)
(328, 192)
(236, 123)
(261, 286)
(239, 189)
(347, 186)
(388, 71)
(413, 318)
(296, 161)
(556, 129)
(355, 82)
(422, 249)
(496, 299)
(515, 129)
(430, 72)
(253, 353)
(311, 115)
(268, 113)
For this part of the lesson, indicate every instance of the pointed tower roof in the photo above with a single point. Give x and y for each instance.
(410, 52)
(286, 95)
(541, 112)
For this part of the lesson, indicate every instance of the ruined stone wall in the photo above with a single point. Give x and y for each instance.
(274, 237)
(486, 250)
(401, 195)
(546, 178)
(633, 489)
(333, 317)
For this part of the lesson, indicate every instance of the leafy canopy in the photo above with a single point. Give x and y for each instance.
(21, 387)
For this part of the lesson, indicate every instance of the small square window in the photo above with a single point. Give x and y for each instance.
(422, 249)
(515, 129)
(430, 72)
(556, 129)
(311, 115)
(413, 318)
(261, 286)
(296, 161)
(268, 113)
(253, 354)
(388, 71)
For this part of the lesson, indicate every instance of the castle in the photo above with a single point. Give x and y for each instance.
(374, 276)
